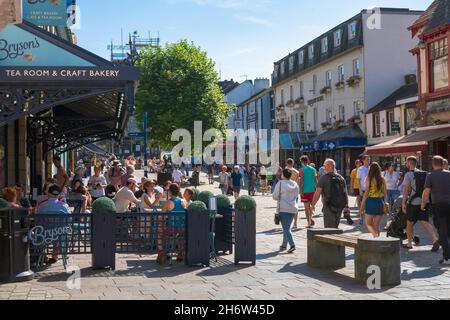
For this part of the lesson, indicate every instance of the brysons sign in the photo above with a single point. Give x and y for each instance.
(15, 50)
(39, 236)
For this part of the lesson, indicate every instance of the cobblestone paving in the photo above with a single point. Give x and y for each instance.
(276, 276)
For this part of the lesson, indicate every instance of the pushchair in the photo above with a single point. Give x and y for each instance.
(397, 228)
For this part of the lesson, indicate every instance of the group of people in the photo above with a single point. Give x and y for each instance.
(232, 180)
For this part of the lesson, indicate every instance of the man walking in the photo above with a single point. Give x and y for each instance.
(363, 173)
(308, 182)
(238, 181)
(414, 185)
(437, 185)
(333, 189)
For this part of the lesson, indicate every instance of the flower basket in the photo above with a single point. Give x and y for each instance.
(340, 85)
(325, 90)
(300, 100)
(353, 81)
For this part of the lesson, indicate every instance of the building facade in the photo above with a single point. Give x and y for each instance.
(329, 84)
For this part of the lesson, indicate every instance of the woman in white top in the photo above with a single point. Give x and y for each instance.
(392, 179)
(223, 180)
(148, 196)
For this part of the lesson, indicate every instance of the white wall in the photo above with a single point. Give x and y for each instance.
(386, 55)
(383, 127)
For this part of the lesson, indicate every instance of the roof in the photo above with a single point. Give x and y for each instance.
(256, 95)
(437, 14)
(404, 92)
(228, 85)
(341, 133)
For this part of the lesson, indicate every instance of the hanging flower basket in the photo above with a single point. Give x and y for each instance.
(340, 85)
(353, 81)
(325, 90)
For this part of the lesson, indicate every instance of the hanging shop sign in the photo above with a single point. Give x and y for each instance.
(46, 12)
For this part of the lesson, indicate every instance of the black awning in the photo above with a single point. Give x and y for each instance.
(345, 137)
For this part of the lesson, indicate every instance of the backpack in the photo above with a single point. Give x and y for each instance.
(338, 195)
(419, 178)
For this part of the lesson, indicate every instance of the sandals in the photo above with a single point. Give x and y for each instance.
(405, 246)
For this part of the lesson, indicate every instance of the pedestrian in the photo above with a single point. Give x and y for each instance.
(264, 184)
(125, 197)
(127, 176)
(413, 188)
(177, 176)
(392, 179)
(294, 177)
(252, 178)
(238, 181)
(437, 185)
(286, 194)
(223, 180)
(308, 183)
(22, 200)
(166, 188)
(362, 174)
(148, 196)
(373, 205)
(62, 179)
(333, 189)
(354, 184)
(188, 195)
(97, 183)
(115, 174)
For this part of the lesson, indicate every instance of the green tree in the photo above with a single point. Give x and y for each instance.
(179, 86)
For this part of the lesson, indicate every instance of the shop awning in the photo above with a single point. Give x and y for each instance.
(93, 148)
(345, 137)
(413, 143)
(294, 141)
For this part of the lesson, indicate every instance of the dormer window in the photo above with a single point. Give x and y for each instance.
(301, 57)
(283, 67)
(352, 30)
(291, 63)
(311, 52)
(324, 45)
(337, 38)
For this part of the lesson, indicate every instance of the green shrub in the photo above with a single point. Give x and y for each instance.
(196, 193)
(197, 206)
(204, 197)
(223, 201)
(3, 203)
(245, 204)
(103, 205)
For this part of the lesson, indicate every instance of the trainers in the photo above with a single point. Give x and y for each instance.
(444, 262)
(291, 250)
(436, 247)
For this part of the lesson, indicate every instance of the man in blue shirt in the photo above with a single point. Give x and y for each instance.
(53, 204)
(238, 181)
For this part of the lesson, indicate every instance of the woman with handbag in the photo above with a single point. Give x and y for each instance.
(286, 193)
(373, 204)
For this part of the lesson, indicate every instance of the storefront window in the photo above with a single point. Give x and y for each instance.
(439, 63)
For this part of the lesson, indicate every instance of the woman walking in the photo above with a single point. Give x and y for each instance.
(286, 193)
(252, 178)
(373, 202)
(224, 180)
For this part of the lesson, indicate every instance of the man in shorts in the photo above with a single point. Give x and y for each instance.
(308, 182)
(237, 179)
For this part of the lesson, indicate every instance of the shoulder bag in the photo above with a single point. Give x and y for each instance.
(277, 219)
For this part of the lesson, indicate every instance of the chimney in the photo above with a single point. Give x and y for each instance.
(410, 79)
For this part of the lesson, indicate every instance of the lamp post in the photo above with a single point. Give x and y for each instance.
(145, 144)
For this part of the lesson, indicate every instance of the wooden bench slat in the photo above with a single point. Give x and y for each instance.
(344, 240)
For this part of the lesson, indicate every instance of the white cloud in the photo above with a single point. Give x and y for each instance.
(255, 20)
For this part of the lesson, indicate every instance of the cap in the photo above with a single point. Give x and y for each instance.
(132, 180)
(116, 162)
(54, 190)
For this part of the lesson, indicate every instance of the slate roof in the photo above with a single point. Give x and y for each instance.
(404, 92)
(437, 14)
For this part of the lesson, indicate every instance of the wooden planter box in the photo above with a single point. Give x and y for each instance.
(224, 231)
(245, 237)
(197, 239)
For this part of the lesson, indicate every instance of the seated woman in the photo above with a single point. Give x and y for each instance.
(188, 195)
(148, 196)
(10, 195)
(85, 197)
(176, 205)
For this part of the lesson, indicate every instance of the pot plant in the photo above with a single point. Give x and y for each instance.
(204, 197)
(340, 85)
(353, 81)
(245, 230)
(325, 90)
(198, 229)
(326, 125)
(103, 233)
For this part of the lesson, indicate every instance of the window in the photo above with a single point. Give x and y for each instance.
(389, 120)
(352, 30)
(291, 63)
(301, 89)
(311, 52)
(297, 126)
(328, 115)
(302, 122)
(341, 73)
(314, 90)
(337, 38)
(342, 112)
(301, 57)
(356, 68)
(283, 67)
(439, 63)
(282, 96)
(316, 119)
(292, 123)
(324, 45)
(376, 125)
(275, 72)
(328, 78)
(357, 108)
(291, 93)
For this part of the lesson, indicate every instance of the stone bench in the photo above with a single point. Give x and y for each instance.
(326, 250)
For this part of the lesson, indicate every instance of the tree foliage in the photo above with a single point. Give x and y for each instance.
(178, 86)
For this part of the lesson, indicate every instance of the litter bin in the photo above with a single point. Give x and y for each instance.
(14, 246)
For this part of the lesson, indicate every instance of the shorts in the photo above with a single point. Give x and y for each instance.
(415, 213)
(375, 206)
(237, 189)
(308, 197)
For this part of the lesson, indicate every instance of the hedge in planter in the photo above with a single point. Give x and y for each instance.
(104, 205)
(245, 230)
(223, 202)
(198, 226)
(204, 197)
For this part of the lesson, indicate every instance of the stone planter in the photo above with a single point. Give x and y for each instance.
(245, 237)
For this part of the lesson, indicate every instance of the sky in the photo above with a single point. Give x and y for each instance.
(243, 37)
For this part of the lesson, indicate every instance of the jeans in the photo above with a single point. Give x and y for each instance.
(286, 222)
(391, 197)
(442, 214)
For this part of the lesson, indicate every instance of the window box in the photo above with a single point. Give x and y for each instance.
(300, 100)
(353, 81)
(340, 85)
(339, 124)
(326, 125)
(355, 120)
(325, 90)
(290, 103)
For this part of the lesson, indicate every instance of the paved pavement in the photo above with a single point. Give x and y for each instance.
(276, 276)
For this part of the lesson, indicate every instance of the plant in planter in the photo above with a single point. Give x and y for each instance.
(354, 120)
(326, 125)
(339, 123)
(204, 197)
(353, 81)
(104, 205)
(197, 207)
(325, 90)
(223, 202)
(245, 230)
(290, 104)
(340, 85)
(300, 100)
